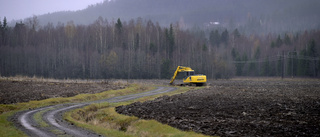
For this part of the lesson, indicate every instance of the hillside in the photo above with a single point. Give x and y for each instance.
(248, 15)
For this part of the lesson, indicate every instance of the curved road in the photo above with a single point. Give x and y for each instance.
(53, 124)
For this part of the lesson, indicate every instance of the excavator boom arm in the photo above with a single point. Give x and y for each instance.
(179, 69)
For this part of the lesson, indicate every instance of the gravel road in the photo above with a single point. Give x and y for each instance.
(53, 124)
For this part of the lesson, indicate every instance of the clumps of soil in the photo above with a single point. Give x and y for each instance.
(12, 91)
(239, 108)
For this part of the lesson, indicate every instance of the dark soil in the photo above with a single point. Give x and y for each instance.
(23, 91)
(239, 108)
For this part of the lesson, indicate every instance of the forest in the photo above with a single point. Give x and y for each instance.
(142, 49)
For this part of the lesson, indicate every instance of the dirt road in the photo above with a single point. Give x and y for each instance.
(52, 123)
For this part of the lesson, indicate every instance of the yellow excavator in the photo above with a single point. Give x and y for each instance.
(190, 77)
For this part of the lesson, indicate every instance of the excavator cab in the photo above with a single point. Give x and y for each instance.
(190, 73)
(190, 77)
(187, 74)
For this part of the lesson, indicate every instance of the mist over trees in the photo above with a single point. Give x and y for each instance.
(248, 16)
(141, 48)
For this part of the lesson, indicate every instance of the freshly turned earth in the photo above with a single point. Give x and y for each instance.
(15, 91)
(249, 107)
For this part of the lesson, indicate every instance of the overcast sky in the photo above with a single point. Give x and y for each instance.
(20, 9)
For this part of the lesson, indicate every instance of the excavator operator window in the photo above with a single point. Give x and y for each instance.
(189, 73)
(192, 73)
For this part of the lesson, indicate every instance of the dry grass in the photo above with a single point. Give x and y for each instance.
(103, 119)
(41, 79)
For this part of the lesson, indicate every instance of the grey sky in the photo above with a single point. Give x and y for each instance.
(20, 9)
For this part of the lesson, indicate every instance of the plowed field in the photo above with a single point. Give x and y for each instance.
(246, 107)
(14, 91)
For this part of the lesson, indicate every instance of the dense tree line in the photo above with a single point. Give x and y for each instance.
(143, 49)
(275, 55)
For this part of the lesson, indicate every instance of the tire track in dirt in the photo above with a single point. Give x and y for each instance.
(58, 126)
(25, 120)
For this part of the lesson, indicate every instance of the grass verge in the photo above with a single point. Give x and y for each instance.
(103, 119)
(7, 128)
(6, 111)
(38, 117)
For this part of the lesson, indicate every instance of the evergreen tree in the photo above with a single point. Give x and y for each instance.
(137, 42)
(4, 26)
(214, 38)
(4, 29)
(273, 44)
(119, 25)
(153, 48)
(287, 39)
(252, 68)
(256, 58)
(234, 53)
(312, 53)
(238, 66)
(292, 64)
(204, 48)
(170, 41)
(119, 37)
(225, 36)
(0, 32)
(244, 57)
(266, 67)
(165, 69)
(303, 64)
(279, 41)
(236, 33)
(279, 66)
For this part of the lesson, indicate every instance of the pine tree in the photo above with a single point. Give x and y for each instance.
(278, 42)
(287, 39)
(292, 63)
(225, 37)
(214, 38)
(266, 67)
(279, 66)
(0, 32)
(236, 33)
(303, 64)
(170, 41)
(4, 29)
(273, 44)
(119, 25)
(312, 52)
